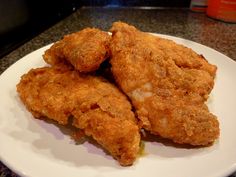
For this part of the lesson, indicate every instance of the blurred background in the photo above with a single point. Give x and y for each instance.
(21, 20)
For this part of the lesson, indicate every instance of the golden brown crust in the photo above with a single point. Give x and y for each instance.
(97, 107)
(85, 49)
(167, 84)
(54, 54)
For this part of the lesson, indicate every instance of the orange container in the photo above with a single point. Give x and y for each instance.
(222, 9)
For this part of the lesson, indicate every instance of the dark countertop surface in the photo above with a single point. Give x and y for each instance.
(176, 22)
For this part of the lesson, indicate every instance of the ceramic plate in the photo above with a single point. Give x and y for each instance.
(34, 148)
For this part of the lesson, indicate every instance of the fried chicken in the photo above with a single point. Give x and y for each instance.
(85, 50)
(94, 105)
(167, 83)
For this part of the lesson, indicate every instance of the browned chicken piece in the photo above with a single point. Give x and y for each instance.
(167, 84)
(85, 50)
(94, 105)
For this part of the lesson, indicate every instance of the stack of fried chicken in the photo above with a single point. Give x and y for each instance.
(159, 86)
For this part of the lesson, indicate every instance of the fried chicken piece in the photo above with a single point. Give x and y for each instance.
(85, 50)
(167, 84)
(94, 105)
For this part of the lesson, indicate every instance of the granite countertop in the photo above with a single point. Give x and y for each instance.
(177, 22)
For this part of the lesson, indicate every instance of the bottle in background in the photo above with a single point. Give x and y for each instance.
(198, 5)
(222, 9)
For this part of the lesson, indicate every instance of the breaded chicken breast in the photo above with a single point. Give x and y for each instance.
(167, 83)
(85, 50)
(94, 105)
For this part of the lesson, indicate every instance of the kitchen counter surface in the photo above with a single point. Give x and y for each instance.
(176, 22)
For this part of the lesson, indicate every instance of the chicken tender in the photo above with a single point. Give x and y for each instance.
(94, 105)
(85, 50)
(167, 83)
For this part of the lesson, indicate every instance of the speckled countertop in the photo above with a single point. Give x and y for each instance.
(177, 22)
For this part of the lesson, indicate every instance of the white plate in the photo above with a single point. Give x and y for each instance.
(34, 148)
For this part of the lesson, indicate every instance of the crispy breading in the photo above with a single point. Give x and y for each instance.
(85, 49)
(95, 106)
(167, 84)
